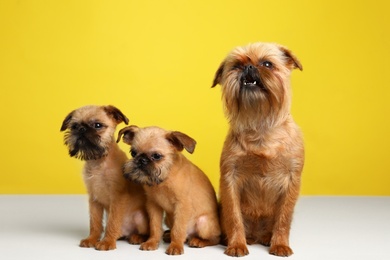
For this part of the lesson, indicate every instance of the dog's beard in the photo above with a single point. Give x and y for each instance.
(147, 175)
(264, 101)
(84, 148)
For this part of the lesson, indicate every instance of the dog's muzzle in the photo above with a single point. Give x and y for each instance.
(250, 77)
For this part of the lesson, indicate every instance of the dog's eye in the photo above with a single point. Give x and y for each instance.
(98, 125)
(237, 66)
(156, 157)
(267, 64)
(133, 153)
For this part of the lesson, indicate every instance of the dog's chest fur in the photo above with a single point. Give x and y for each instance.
(162, 195)
(103, 179)
(262, 171)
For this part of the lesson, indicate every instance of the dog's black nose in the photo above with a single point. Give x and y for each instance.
(82, 129)
(250, 70)
(142, 161)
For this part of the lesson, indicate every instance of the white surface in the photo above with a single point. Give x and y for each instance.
(50, 227)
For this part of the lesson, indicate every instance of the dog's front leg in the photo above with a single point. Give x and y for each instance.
(231, 217)
(95, 224)
(179, 229)
(155, 213)
(283, 218)
(114, 225)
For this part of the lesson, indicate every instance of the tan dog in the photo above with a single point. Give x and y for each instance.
(90, 137)
(263, 154)
(174, 185)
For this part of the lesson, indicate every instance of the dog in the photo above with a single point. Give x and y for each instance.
(172, 184)
(90, 137)
(263, 153)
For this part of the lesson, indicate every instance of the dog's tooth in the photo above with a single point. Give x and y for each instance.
(254, 82)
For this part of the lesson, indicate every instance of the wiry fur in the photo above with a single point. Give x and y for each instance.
(173, 184)
(263, 153)
(90, 137)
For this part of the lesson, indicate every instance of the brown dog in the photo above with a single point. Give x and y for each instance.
(174, 185)
(263, 154)
(90, 137)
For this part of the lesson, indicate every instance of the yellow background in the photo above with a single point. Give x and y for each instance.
(155, 60)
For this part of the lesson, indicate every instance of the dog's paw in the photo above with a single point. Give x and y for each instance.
(88, 242)
(266, 239)
(149, 246)
(237, 250)
(280, 250)
(136, 239)
(200, 242)
(250, 241)
(197, 242)
(167, 236)
(174, 249)
(105, 245)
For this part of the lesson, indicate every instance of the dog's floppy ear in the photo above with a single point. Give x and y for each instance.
(128, 134)
(291, 58)
(67, 119)
(218, 74)
(116, 114)
(180, 141)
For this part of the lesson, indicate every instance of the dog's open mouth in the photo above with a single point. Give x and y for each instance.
(250, 78)
(249, 83)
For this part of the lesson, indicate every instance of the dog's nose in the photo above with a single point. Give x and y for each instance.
(142, 161)
(82, 129)
(249, 68)
(250, 75)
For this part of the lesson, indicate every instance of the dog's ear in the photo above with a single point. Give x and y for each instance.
(291, 58)
(65, 123)
(218, 74)
(128, 134)
(180, 141)
(116, 114)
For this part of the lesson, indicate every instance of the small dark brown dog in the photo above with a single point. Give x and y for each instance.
(263, 154)
(173, 184)
(90, 137)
